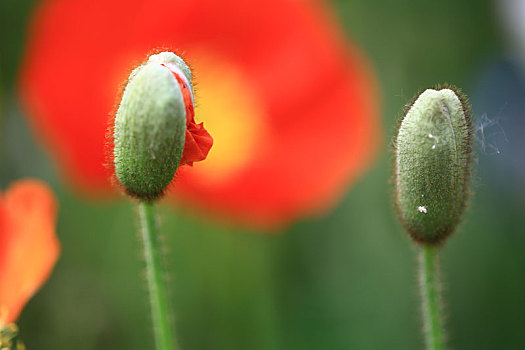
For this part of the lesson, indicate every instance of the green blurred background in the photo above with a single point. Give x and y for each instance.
(343, 281)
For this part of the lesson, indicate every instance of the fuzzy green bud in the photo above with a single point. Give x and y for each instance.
(433, 166)
(150, 127)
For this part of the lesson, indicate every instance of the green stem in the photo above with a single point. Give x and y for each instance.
(431, 297)
(160, 308)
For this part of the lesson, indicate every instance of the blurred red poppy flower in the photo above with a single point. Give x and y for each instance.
(291, 105)
(29, 247)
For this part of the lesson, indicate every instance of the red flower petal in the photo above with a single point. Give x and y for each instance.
(309, 97)
(198, 141)
(29, 247)
(197, 144)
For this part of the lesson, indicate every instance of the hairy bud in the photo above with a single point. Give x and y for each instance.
(433, 166)
(150, 126)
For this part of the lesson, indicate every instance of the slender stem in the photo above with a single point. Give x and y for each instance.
(160, 308)
(431, 297)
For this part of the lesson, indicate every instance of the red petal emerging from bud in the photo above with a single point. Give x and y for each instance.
(198, 141)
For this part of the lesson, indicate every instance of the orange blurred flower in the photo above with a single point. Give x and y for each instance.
(29, 247)
(291, 105)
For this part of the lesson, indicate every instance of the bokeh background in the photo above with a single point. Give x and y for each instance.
(345, 280)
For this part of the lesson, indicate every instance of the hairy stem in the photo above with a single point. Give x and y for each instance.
(430, 288)
(160, 308)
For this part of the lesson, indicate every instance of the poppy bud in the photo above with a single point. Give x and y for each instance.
(150, 126)
(433, 164)
(8, 337)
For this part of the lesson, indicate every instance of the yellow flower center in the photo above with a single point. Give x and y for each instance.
(232, 113)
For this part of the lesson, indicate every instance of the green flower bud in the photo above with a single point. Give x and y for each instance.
(9, 337)
(433, 165)
(150, 127)
(169, 58)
